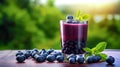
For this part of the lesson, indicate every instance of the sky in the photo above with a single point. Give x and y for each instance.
(72, 2)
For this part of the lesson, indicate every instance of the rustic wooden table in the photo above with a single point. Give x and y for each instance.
(8, 59)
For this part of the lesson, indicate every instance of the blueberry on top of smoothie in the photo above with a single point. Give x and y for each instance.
(69, 17)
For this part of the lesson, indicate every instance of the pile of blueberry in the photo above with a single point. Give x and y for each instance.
(91, 59)
(51, 55)
(40, 55)
(73, 47)
(74, 58)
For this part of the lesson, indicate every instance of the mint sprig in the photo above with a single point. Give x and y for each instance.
(81, 17)
(99, 47)
(96, 51)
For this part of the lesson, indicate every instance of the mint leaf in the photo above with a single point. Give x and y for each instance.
(102, 55)
(88, 52)
(78, 13)
(80, 18)
(85, 16)
(99, 48)
(87, 49)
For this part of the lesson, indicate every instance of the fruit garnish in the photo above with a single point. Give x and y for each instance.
(69, 17)
(81, 17)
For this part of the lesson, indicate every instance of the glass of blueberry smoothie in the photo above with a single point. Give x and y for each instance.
(73, 35)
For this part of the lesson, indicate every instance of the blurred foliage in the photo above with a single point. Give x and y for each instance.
(27, 24)
(106, 30)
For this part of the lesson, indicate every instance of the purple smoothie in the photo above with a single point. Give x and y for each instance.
(73, 37)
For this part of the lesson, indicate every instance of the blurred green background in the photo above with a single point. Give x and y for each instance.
(28, 24)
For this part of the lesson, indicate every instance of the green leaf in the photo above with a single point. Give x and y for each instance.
(102, 55)
(88, 52)
(85, 16)
(80, 18)
(78, 13)
(99, 47)
(87, 49)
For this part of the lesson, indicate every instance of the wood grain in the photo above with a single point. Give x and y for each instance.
(8, 59)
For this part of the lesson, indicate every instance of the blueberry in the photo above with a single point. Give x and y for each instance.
(45, 54)
(50, 50)
(33, 53)
(35, 49)
(51, 58)
(43, 51)
(19, 53)
(72, 60)
(20, 58)
(80, 59)
(55, 53)
(39, 58)
(58, 53)
(94, 59)
(90, 59)
(97, 58)
(60, 58)
(110, 60)
(27, 54)
(69, 17)
(72, 56)
(28, 51)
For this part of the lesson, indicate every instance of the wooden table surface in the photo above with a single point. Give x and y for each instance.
(8, 59)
